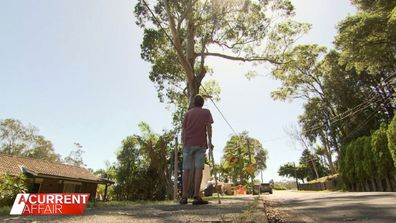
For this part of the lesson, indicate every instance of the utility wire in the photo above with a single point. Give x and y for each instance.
(356, 107)
(334, 120)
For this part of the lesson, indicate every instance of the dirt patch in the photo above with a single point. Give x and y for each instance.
(276, 213)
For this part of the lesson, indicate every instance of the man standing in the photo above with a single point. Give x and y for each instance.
(196, 138)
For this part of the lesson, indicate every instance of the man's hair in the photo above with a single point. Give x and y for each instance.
(198, 101)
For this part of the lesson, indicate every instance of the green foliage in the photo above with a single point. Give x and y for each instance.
(289, 170)
(358, 158)
(109, 173)
(348, 92)
(366, 158)
(5, 211)
(391, 133)
(243, 157)
(305, 170)
(308, 160)
(143, 168)
(367, 39)
(298, 74)
(381, 153)
(10, 186)
(20, 140)
(235, 30)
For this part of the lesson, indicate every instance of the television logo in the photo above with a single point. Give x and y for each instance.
(49, 204)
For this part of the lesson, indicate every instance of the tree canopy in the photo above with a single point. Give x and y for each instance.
(20, 140)
(192, 31)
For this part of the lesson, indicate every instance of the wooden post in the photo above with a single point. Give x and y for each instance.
(176, 169)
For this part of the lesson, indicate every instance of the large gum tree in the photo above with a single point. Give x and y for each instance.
(236, 30)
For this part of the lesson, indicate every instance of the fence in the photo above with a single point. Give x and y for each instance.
(330, 184)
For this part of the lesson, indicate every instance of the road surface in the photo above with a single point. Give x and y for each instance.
(378, 207)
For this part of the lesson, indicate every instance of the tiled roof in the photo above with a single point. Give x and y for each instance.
(13, 165)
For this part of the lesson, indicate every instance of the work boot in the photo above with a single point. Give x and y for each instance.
(199, 201)
(183, 200)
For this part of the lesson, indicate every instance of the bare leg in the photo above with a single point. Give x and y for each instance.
(197, 182)
(186, 182)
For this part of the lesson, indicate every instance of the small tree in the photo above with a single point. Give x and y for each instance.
(243, 157)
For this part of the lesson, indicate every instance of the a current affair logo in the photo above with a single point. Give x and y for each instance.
(49, 204)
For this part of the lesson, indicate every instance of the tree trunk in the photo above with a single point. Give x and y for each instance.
(373, 184)
(367, 185)
(314, 167)
(328, 153)
(394, 178)
(380, 185)
(193, 89)
(388, 184)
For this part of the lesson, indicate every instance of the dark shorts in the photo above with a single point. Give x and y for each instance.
(193, 156)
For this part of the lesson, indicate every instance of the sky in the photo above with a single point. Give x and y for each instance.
(73, 69)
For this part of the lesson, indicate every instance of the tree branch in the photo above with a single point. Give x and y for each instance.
(243, 59)
(177, 42)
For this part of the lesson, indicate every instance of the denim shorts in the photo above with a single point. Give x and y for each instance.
(193, 156)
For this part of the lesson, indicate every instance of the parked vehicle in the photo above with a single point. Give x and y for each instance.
(264, 188)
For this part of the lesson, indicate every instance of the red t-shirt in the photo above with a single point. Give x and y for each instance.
(194, 127)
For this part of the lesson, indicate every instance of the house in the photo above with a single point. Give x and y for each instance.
(51, 177)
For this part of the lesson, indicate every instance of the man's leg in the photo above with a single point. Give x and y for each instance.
(199, 166)
(186, 183)
(197, 182)
(187, 161)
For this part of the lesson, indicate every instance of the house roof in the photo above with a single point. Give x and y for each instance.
(15, 165)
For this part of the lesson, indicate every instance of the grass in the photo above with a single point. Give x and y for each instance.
(4, 211)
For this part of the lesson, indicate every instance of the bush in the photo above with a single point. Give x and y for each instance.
(10, 186)
(392, 139)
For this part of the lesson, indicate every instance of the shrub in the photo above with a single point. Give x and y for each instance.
(10, 186)
(392, 139)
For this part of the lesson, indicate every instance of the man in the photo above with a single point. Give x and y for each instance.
(196, 138)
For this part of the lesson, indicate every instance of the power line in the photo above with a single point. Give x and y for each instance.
(368, 119)
(356, 107)
(335, 120)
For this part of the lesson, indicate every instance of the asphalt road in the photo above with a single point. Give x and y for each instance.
(305, 206)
